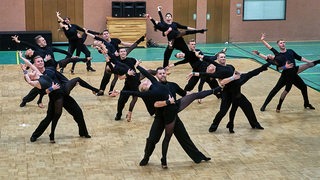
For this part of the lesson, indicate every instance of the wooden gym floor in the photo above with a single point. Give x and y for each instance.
(288, 148)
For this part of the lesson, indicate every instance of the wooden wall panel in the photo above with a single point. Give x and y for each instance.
(218, 24)
(41, 15)
(183, 13)
(29, 14)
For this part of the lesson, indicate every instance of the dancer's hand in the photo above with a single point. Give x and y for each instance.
(47, 58)
(131, 72)
(171, 99)
(263, 36)
(23, 67)
(289, 65)
(256, 52)
(15, 38)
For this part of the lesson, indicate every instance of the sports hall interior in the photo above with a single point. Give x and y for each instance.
(287, 148)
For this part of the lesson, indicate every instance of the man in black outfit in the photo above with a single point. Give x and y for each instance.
(180, 132)
(179, 42)
(55, 110)
(131, 84)
(288, 76)
(112, 44)
(75, 40)
(231, 94)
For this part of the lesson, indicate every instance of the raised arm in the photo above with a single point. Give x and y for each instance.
(147, 74)
(225, 81)
(263, 37)
(60, 19)
(28, 63)
(15, 38)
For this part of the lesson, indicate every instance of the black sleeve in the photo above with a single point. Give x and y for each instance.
(181, 26)
(61, 51)
(25, 43)
(137, 93)
(160, 16)
(94, 32)
(180, 91)
(210, 59)
(184, 61)
(78, 28)
(201, 83)
(275, 52)
(147, 74)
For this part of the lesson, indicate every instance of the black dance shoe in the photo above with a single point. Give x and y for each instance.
(164, 163)
(316, 62)
(85, 136)
(230, 127)
(203, 30)
(100, 93)
(22, 104)
(90, 69)
(263, 108)
(217, 91)
(52, 139)
(33, 139)
(309, 106)
(144, 162)
(213, 128)
(141, 39)
(118, 117)
(207, 159)
(258, 126)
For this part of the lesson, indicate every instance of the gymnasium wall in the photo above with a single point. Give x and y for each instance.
(301, 24)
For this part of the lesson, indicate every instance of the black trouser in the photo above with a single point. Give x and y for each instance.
(246, 107)
(105, 79)
(33, 94)
(74, 109)
(299, 83)
(191, 83)
(228, 97)
(73, 45)
(226, 101)
(54, 112)
(181, 134)
(179, 44)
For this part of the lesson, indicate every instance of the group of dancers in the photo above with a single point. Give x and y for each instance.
(158, 94)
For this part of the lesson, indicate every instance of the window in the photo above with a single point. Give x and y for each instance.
(264, 10)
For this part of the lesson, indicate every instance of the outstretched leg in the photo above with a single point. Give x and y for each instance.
(188, 99)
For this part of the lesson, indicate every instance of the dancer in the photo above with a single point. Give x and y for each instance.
(281, 63)
(46, 52)
(76, 41)
(166, 117)
(131, 84)
(58, 99)
(112, 45)
(288, 75)
(179, 42)
(166, 30)
(232, 93)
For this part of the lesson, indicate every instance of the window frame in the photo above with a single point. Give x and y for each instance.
(264, 19)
